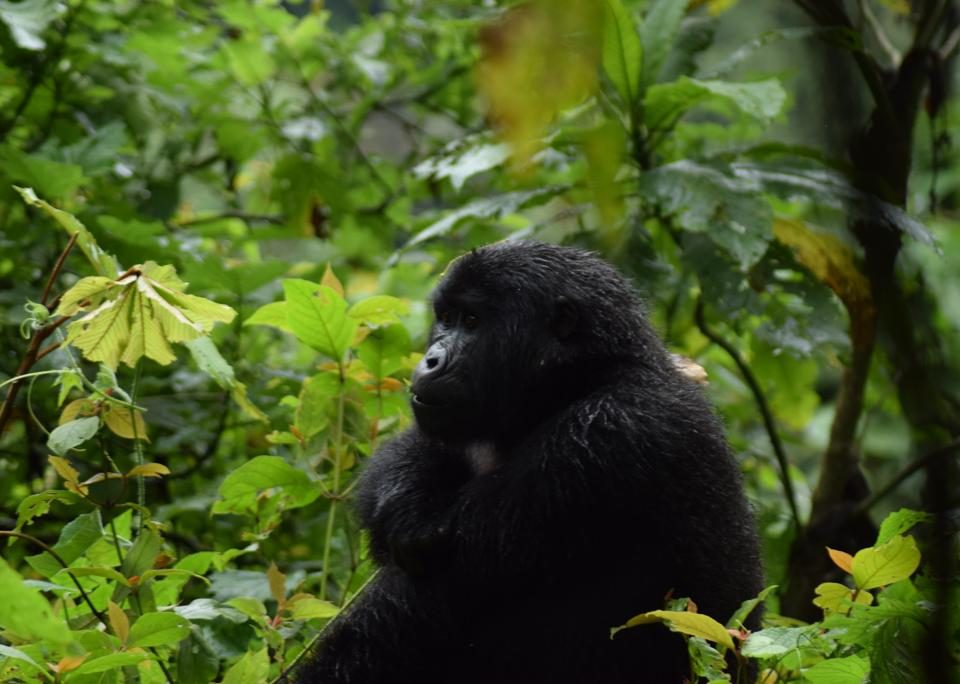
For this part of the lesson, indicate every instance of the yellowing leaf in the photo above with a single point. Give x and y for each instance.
(309, 607)
(278, 584)
(149, 470)
(124, 422)
(829, 260)
(78, 408)
(330, 280)
(882, 565)
(843, 560)
(538, 58)
(119, 622)
(834, 597)
(139, 314)
(64, 469)
(693, 624)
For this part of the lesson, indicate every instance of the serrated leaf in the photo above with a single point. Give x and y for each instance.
(158, 629)
(776, 641)
(71, 435)
(240, 489)
(68, 381)
(137, 315)
(622, 51)
(694, 624)
(882, 565)
(319, 320)
(665, 103)
(835, 597)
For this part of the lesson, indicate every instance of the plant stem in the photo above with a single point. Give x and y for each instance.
(331, 516)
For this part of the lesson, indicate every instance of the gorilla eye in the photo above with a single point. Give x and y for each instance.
(470, 322)
(445, 317)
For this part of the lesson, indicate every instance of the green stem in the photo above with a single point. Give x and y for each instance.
(331, 516)
(137, 445)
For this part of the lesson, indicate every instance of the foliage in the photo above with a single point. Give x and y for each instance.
(276, 186)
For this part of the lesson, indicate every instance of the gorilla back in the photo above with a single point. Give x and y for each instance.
(561, 477)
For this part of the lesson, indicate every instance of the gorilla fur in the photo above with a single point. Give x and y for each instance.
(561, 477)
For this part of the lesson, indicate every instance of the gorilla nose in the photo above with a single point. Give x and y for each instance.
(432, 363)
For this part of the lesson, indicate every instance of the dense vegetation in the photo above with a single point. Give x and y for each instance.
(219, 223)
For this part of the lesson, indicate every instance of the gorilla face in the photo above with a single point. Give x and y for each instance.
(511, 341)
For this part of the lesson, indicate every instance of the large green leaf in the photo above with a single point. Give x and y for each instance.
(881, 565)
(72, 434)
(240, 489)
(849, 670)
(76, 537)
(665, 103)
(317, 315)
(657, 33)
(703, 199)
(25, 613)
(158, 629)
(461, 163)
(622, 51)
(27, 19)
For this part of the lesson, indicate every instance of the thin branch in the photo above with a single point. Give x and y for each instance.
(893, 54)
(913, 467)
(248, 218)
(66, 566)
(762, 404)
(57, 267)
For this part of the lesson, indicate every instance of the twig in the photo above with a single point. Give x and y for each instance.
(58, 266)
(913, 467)
(66, 566)
(248, 218)
(762, 404)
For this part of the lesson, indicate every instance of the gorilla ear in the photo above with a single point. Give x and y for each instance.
(565, 317)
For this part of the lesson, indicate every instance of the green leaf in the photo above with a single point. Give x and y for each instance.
(71, 435)
(694, 624)
(104, 264)
(209, 359)
(702, 199)
(831, 188)
(881, 565)
(35, 505)
(834, 597)
(25, 613)
(319, 320)
(461, 164)
(665, 103)
(17, 654)
(483, 208)
(657, 33)
(736, 620)
(849, 670)
(899, 522)
(313, 409)
(310, 607)
(249, 61)
(273, 314)
(240, 489)
(158, 629)
(196, 662)
(622, 52)
(142, 555)
(776, 641)
(75, 538)
(52, 178)
(383, 350)
(109, 662)
(252, 668)
(379, 310)
(28, 19)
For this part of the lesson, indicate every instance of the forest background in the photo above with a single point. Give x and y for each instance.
(269, 190)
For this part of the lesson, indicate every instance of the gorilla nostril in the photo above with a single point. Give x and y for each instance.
(432, 362)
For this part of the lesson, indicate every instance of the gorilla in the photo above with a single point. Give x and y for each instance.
(561, 477)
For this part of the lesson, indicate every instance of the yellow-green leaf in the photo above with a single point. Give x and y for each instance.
(319, 320)
(309, 607)
(119, 622)
(149, 470)
(124, 422)
(834, 597)
(882, 565)
(278, 584)
(273, 314)
(693, 624)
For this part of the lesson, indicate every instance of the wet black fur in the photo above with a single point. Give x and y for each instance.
(613, 487)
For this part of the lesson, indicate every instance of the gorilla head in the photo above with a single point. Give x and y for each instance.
(521, 328)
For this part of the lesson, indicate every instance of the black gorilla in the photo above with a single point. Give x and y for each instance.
(562, 476)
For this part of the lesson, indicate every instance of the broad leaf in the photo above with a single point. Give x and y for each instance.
(458, 164)
(881, 565)
(776, 641)
(694, 624)
(25, 612)
(158, 629)
(72, 434)
(27, 20)
(318, 317)
(835, 597)
(622, 51)
(240, 489)
(900, 522)
(850, 670)
(665, 103)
